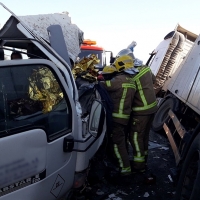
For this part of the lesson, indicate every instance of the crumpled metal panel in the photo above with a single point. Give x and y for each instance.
(72, 34)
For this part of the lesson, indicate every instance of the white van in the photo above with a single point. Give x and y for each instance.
(46, 140)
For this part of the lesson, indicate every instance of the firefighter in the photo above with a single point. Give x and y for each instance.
(121, 89)
(107, 73)
(144, 107)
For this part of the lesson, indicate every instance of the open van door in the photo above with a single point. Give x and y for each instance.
(94, 130)
(38, 122)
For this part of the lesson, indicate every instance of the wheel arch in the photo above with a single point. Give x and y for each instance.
(167, 97)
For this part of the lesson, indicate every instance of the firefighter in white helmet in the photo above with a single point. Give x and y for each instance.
(143, 108)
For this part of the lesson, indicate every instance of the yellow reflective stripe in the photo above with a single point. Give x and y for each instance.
(142, 96)
(118, 155)
(141, 73)
(144, 101)
(139, 159)
(128, 85)
(127, 169)
(136, 78)
(121, 104)
(108, 83)
(135, 140)
(120, 115)
(141, 68)
(145, 107)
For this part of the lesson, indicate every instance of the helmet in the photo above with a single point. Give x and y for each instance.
(125, 52)
(109, 70)
(132, 46)
(123, 62)
(138, 62)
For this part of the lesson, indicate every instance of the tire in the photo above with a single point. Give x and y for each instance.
(161, 115)
(189, 180)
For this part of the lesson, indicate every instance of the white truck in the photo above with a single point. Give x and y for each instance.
(46, 141)
(176, 65)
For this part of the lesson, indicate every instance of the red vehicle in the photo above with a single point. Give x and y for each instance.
(89, 47)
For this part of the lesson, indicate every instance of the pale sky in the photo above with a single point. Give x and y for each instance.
(114, 24)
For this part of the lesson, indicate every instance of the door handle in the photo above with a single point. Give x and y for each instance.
(68, 143)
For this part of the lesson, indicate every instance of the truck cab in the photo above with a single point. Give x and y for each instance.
(177, 70)
(46, 142)
(169, 54)
(89, 47)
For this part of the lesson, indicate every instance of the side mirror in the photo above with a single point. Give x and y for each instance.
(68, 144)
(112, 59)
(152, 54)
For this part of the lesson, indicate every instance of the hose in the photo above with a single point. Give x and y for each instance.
(169, 60)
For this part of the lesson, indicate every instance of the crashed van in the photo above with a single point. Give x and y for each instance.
(46, 140)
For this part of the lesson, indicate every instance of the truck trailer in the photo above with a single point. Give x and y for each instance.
(176, 65)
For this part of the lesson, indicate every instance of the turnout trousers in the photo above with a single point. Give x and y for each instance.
(119, 147)
(139, 138)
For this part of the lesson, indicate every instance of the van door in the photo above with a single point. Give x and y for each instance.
(94, 128)
(38, 122)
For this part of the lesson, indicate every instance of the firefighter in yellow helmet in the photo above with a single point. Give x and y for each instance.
(107, 73)
(121, 89)
(143, 108)
(109, 70)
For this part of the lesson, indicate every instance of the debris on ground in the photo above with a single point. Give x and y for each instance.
(114, 197)
(156, 157)
(150, 179)
(164, 148)
(111, 196)
(170, 178)
(121, 192)
(153, 145)
(146, 194)
(99, 192)
(155, 183)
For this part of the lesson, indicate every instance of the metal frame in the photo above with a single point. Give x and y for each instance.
(173, 144)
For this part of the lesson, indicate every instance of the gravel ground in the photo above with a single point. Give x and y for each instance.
(136, 186)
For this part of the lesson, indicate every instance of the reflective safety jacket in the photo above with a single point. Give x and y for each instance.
(121, 89)
(144, 102)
